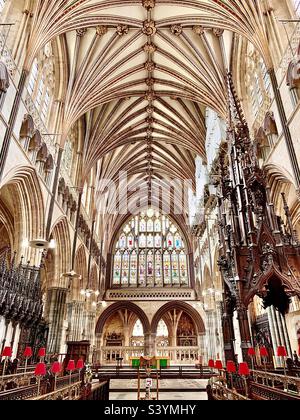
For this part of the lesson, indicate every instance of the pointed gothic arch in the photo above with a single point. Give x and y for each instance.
(23, 185)
(120, 306)
(183, 306)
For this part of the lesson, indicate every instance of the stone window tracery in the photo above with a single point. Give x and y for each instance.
(150, 252)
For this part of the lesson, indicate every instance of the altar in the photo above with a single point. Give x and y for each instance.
(161, 362)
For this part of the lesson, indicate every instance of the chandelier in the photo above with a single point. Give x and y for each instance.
(88, 293)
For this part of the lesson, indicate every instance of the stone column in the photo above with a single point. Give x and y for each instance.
(173, 340)
(203, 349)
(285, 341)
(210, 335)
(287, 338)
(91, 319)
(98, 345)
(55, 314)
(126, 343)
(150, 340)
(279, 333)
(274, 332)
(126, 336)
(76, 320)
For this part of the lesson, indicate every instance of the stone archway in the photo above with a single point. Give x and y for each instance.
(22, 196)
(115, 341)
(186, 345)
(184, 307)
(119, 306)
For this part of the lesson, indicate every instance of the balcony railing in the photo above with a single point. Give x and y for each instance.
(287, 384)
(16, 381)
(23, 391)
(109, 355)
(71, 392)
(217, 390)
(180, 355)
(177, 355)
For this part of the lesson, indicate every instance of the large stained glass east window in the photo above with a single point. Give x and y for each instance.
(150, 252)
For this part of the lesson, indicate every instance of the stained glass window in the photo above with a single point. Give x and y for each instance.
(125, 268)
(133, 268)
(150, 252)
(167, 268)
(117, 268)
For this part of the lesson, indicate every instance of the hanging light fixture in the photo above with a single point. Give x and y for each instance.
(88, 293)
(42, 244)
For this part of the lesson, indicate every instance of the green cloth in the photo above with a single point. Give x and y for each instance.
(161, 363)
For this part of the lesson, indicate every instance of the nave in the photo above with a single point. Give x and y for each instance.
(149, 200)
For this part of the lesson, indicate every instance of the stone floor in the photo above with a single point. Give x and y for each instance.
(173, 384)
(176, 390)
(164, 396)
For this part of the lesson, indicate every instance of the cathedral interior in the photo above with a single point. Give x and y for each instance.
(149, 199)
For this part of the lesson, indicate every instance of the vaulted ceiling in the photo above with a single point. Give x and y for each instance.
(148, 85)
(142, 73)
